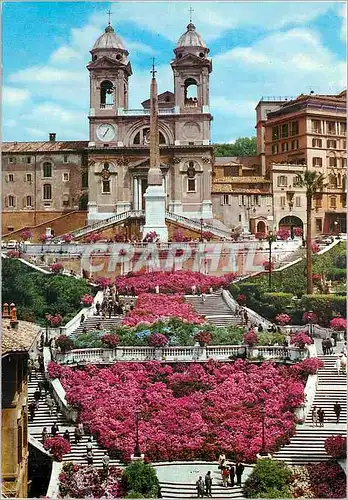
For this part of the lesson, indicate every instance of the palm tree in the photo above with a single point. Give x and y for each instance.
(314, 183)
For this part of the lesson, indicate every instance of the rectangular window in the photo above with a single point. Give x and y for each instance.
(331, 144)
(344, 162)
(344, 200)
(65, 159)
(106, 187)
(65, 176)
(28, 177)
(294, 144)
(282, 201)
(275, 133)
(333, 202)
(282, 181)
(318, 201)
(316, 126)
(28, 159)
(226, 199)
(84, 179)
(285, 147)
(344, 144)
(10, 178)
(11, 201)
(294, 128)
(318, 225)
(331, 128)
(47, 192)
(191, 185)
(29, 201)
(239, 218)
(317, 143)
(298, 201)
(332, 162)
(231, 171)
(47, 169)
(274, 149)
(343, 128)
(296, 181)
(12, 159)
(317, 162)
(285, 130)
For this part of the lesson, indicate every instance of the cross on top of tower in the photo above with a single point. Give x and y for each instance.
(191, 10)
(109, 14)
(153, 71)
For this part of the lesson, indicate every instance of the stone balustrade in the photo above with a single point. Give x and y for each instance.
(177, 353)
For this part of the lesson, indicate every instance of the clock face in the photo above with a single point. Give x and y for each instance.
(106, 132)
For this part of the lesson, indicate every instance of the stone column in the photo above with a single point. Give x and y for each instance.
(140, 195)
(135, 193)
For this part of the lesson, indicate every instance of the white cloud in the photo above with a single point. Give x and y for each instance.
(343, 15)
(65, 55)
(46, 75)
(14, 96)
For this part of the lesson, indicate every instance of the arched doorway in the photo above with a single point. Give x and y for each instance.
(261, 227)
(290, 222)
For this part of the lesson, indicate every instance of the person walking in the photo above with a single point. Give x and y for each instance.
(321, 417)
(30, 369)
(323, 346)
(54, 429)
(32, 408)
(343, 359)
(200, 487)
(222, 460)
(314, 416)
(44, 435)
(77, 435)
(89, 445)
(50, 403)
(208, 482)
(338, 365)
(260, 328)
(203, 297)
(246, 317)
(225, 476)
(232, 474)
(337, 410)
(344, 349)
(332, 345)
(66, 435)
(239, 473)
(157, 289)
(89, 457)
(106, 462)
(37, 396)
(80, 426)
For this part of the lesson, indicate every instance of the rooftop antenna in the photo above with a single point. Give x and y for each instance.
(191, 10)
(153, 71)
(109, 14)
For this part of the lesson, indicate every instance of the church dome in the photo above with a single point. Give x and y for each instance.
(191, 38)
(109, 40)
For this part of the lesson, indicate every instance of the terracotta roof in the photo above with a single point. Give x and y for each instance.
(33, 147)
(19, 339)
(241, 180)
(226, 160)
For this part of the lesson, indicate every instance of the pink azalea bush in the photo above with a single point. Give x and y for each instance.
(267, 265)
(67, 237)
(55, 320)
(315, 247)
(43, 237)
(203, 337)
(64, 343)
(157, 340)
(26, 234)
(179, 236)
(327, 480)
(282, 319)
(338, 324)
(58, 447)
(152, 307)
(317, 278)
(300, 339)
(260, 236)
(241, 299)
(93, 238)
(308, 366)
(187, 411)
(81, 481)
(283, 234)
(298, 231)
(54, 370)
(56, 268)
(207, 235)
(151, 237)
(310, 317)
(13, 254)
(250, 338)
(172, 282)
(336, 447)
(87, 300)
(110, 340)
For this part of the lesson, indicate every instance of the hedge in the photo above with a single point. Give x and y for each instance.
(336, 274)
(279, 300)
(325, 306)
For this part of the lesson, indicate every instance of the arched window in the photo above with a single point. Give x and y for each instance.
(47, 169)
(143, 137)
(191, 178)
(29, 201)
(191, 92)
(333, 181)
(47, 192)
(11, 201)
(106, 94)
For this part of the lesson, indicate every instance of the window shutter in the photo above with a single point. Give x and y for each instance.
(222, 200)
(24, 201)
(6, 201)
(6, 177)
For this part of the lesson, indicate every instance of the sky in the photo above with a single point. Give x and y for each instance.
(257, 48)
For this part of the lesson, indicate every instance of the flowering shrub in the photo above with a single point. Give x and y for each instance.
(315, 247)
(57, 268)
(57, 446)
(308, 366)
(13, 254)
(178, 235)
(157, 340)
(54, 370)
(300, 339)
(87, 300)
(171, 282)
(298, 231)
(327, 480)
(309, 317)
(67, 237)
(198, 424)
(338, 324)
(207, 235)
(267, 265)
(119, 238)
(93, 237)
(300, 483)
(122, 252)
(64, 343)
(110, 340)
(203, 337)
(43, 237)
(260, 236)
(151, 307)
(283, 234)
(336, 446)
(282, 319)
(241, 299)
(54, 319)
(151, 237)
(102, 281)
(26, 234)
(81, 481)
(250, 338)
(317, 278)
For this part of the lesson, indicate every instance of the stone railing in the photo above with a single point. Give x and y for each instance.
(253, 316)
(177, 353)
(309, 390)
(197, 225)
(142, 111)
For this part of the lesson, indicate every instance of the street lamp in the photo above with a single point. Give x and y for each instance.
(137, 452)
(263, 451)
(201, 221)
(270, 239)
(336, 227)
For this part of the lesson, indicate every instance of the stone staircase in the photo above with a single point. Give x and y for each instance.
(308, 443)
(188, 490)
(43, 419)
(214, 308)
(106, 324)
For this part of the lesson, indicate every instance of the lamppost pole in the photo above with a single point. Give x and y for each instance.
(137, 452)
(201, 237)
(263, 451)
(270, 241)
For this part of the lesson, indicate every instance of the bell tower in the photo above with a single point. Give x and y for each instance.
(109, 71)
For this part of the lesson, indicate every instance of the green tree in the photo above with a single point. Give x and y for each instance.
(141, 478)
(243, 146)
(269, 479)
(313, 182)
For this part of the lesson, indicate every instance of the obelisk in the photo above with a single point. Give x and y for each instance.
(155, 196)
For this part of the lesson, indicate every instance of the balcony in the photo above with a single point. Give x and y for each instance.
(106, 106)
(144, 112)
